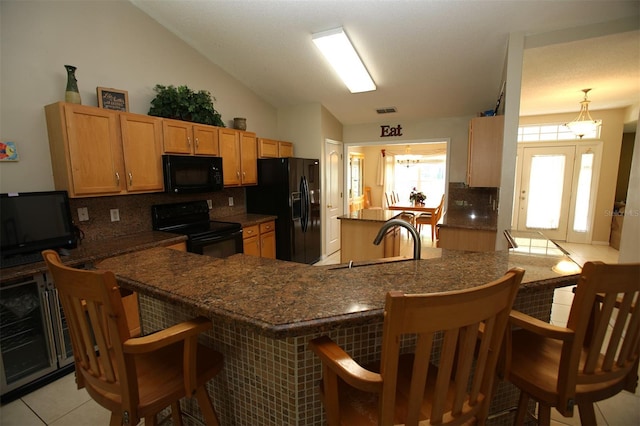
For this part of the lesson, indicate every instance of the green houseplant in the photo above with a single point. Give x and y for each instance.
(182, 103)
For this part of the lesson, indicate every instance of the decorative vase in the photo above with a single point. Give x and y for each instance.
(72, 95)
(240, 123)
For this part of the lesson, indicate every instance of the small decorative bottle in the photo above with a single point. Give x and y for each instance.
(72, 95)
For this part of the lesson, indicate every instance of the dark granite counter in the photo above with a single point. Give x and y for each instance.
(282, 299)
(247, 219)
(94, 251)
(372, 215)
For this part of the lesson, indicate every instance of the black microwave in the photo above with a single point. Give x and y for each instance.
(185, 174)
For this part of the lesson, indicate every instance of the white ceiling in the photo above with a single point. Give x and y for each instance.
(430, 58)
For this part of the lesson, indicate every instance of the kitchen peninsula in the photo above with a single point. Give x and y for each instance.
(264, 312)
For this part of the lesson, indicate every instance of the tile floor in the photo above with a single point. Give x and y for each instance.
(61, 404)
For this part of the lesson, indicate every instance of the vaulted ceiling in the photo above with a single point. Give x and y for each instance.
(428, 58)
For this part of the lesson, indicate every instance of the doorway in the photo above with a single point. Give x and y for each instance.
(333, 194)
(555, 189)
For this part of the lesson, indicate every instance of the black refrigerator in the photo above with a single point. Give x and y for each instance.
(290, 189)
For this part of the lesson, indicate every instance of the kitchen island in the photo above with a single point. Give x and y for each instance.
(265, 311)
(359, 228)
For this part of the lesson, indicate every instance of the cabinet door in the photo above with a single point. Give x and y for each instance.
(267, 148)
(248, 158)
(268, 245)
(94, 150)
(205, 140)
(229, 140)
(142, 146)
(177, 137)
(485, 151)
(285, 149)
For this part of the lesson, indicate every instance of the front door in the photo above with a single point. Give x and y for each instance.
(545, 190)
(333, 195)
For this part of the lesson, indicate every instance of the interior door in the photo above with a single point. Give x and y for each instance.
(544, 196)
(333, 194)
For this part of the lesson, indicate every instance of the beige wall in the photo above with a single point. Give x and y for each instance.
(454, 129)
(611, 135)
(113, 44)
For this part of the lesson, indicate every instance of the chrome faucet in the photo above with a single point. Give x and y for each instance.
(412, 230)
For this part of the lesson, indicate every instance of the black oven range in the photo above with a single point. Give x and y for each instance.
(205, 236)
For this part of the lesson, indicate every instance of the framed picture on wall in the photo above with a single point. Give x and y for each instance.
(113, 99)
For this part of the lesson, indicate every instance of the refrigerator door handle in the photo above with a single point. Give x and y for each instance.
(306, 203)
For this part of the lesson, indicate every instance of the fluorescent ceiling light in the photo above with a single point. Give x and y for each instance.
(336, 47)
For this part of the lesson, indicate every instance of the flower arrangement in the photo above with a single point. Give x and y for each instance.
(416, 196)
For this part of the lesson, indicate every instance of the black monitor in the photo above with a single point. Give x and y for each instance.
(34, 221)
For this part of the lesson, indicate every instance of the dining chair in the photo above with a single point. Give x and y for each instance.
(593, 358)
(461, 329)
(134, 378)
(367, 199)
(431, 219)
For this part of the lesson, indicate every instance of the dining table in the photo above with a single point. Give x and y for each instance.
(410, 207)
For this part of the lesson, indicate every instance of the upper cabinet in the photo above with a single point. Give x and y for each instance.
(485, 151)
(142, 148)
(269, 148)
(239, 153)
(181, 137)
(95, 151)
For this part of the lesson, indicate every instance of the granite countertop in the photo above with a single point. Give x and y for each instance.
(93, 251)
(371, 215)
(470, 219)
(282, 299)
(247, 219)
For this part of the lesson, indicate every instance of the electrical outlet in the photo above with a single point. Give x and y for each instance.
(230, 201)
(210, 204)
(115, 215)
(83, 214)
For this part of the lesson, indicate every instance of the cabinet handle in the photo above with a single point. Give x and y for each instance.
(118, 178)
(189, 141)
(238, 175)
(130, 179)
(197, 143)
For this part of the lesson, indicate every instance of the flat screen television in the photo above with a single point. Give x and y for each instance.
(34, 221)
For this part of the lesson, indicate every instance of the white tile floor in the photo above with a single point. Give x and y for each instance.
(61, 404)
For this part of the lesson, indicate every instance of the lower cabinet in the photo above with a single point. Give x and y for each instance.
(467, 239)
(260, 240)
(356, 239)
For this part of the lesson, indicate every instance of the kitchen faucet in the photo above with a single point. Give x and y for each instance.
(399, 222)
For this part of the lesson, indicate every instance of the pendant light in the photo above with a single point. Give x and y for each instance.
(583, 124)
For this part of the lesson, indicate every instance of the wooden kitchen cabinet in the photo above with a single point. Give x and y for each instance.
(260, 240)
(239, 153)
(86, 150)
(142, 149)
(95, 151)
(269, 148)
(484, 161)
(357, 237)
(466, 239)
(182, 137)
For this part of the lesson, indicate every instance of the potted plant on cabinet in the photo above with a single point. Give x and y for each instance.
(182, 103)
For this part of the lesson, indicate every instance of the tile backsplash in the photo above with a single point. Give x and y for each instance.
(135, 211)
(479, 203)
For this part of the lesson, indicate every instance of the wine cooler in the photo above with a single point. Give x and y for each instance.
(34, 338)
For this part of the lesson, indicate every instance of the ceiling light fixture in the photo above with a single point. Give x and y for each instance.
(583, 124)
(336, 47)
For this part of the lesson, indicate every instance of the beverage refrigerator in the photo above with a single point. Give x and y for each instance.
(35, 345)
(289, 188)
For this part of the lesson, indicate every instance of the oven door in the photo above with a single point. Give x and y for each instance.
(217, 246)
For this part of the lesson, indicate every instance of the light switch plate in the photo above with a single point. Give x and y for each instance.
(230, 201)
(115, 215)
